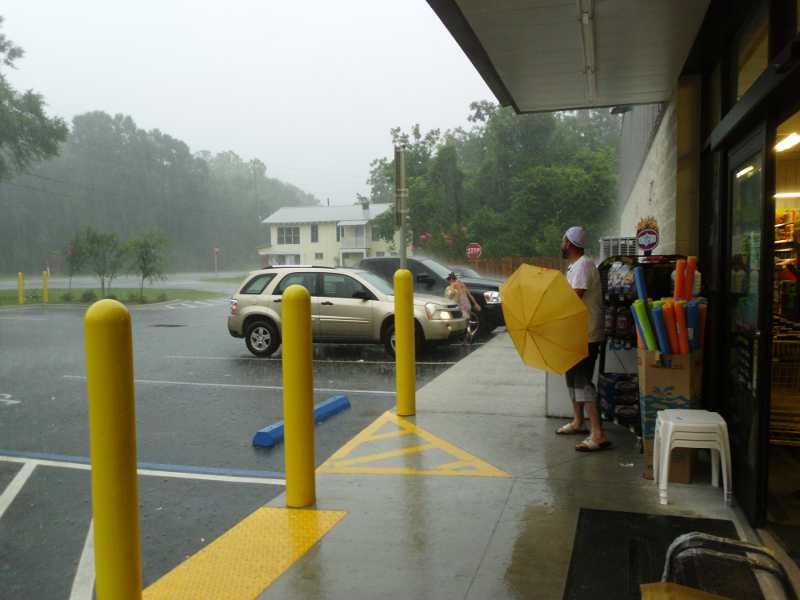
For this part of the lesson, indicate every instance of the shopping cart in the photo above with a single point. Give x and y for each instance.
(785, 408)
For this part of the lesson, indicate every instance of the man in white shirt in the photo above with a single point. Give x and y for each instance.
(584, 278)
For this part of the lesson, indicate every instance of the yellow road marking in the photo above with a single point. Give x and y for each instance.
(409, 440)
(247, 558)
(384, 455)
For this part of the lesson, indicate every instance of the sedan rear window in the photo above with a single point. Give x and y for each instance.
(257, 284)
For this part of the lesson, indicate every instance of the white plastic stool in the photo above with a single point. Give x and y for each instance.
(682, 428)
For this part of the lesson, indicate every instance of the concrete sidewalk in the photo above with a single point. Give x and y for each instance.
(482, 503)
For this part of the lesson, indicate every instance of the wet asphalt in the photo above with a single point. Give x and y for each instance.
(200, 397)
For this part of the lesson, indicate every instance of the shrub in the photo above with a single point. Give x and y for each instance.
(111, 297)
(67, 297)
(162, 297)
(34, 296)
(132, 298)
(88, 296)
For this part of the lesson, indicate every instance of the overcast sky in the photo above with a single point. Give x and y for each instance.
(309, 87)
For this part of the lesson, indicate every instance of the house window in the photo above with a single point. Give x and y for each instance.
(376, 234)
(269, 237)
(380, 254)
(338, 233)
(288, 235)
(314, 234)
(319, 256)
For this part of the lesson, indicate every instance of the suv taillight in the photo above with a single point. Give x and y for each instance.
(234, 306)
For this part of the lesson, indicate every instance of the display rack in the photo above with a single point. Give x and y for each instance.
(785, 405)
(619, 392)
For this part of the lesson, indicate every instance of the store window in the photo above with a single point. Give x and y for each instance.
(784, 477)
(288, 235)
(751, 51)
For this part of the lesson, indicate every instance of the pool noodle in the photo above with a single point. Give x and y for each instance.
(641, 288)
(639, 336)
(669, 323)
(661, 331)
(647, 332)
(693, 324)
(703, 309)
(680, 322)
(680, 279)
(691, 267)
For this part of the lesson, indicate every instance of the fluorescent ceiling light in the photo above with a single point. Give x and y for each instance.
(787, 195)
(746, 171)
(789, 141)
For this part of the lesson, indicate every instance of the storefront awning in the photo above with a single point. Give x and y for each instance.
(545, 55)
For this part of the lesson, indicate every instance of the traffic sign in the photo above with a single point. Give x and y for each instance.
(474, 251)
(216, 250)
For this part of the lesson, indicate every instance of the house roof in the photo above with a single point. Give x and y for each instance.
(544, 55)
(325, 214)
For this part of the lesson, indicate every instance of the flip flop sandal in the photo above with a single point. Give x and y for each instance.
(570, 429)
(589, 445)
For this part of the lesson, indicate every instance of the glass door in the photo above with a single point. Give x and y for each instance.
(745, 403)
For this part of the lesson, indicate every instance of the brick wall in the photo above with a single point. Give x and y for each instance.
(654, 189)
(667, 184)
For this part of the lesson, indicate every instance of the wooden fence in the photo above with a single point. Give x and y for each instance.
(505, 266)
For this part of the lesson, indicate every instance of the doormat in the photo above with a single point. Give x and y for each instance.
(615, 552)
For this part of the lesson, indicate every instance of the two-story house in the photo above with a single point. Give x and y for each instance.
(324, 235)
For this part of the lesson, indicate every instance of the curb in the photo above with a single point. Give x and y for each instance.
(273, 434)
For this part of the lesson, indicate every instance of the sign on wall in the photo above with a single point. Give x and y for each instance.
(647, 235)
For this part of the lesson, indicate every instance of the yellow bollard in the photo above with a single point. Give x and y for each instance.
(112, 427)
(298, 398)
(20, 288)
(405, 352)
(45, 285)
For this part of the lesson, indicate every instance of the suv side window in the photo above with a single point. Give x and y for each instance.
(307, 280)
(257, 284)
(340, 286)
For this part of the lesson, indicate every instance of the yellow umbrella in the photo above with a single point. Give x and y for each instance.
(546, 319)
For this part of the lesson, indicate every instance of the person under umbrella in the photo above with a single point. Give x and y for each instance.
(584, 278)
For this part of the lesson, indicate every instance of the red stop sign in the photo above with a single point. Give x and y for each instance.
(216, 251)
(474, 250)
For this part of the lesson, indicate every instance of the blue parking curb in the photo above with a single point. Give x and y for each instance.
(273, 434)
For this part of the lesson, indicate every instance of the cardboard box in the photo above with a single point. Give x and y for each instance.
(681, 463)
(667, 381)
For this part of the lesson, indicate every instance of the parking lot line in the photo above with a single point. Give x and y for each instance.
(144, 469)
(340, 362)
(83, 584)
(241, 386)
(23, 319)
(13, 488)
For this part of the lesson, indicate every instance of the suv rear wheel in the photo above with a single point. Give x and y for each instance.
(262, 338)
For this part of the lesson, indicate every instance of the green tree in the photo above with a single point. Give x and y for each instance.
(147, 255)
(27, 134)
(76, 255)
(106, 256)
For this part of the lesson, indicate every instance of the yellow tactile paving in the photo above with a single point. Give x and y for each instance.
(247, 558)
(414, 451)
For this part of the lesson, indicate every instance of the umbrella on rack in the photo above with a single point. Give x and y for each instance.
(546, 319)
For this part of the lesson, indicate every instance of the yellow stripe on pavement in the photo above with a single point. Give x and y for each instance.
(246, 559)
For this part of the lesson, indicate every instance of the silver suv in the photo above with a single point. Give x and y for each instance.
(347, 306)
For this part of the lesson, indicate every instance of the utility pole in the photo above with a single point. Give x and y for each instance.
(401, 200)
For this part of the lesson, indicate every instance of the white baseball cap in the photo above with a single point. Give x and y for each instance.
(576, 236)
